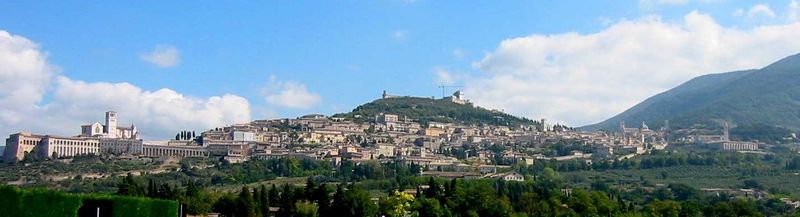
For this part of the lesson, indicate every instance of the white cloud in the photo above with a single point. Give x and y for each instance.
(738, 12)
(761, 11)
(586, 78)
(24, 75)
(791, 13)
(290, 94)
(605, 21)
(163, 56)
(400, 35)
(26, 78)
(444, 76)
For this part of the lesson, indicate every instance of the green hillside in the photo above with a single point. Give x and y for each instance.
(426, 110)
(768, 96)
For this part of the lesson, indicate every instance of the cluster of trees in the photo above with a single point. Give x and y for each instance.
(670, 159)
(438, 197)
(130, 187)
(763, 133)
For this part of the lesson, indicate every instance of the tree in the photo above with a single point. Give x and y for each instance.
(274, 198)
(398, 204)
(306, 209)
(263, 200)
(664, 209)
(360, 203)
(321, 198)
(129, 187)
(166, 191)
(309, 190)
(257, 200)
(245, 207)
(339, 205)
(604, 205)
(451, 188)
(427, 207)
(191, 189)
(433, 190)
(226, 205)
(352, 202)
(199, 203)
(287, 201)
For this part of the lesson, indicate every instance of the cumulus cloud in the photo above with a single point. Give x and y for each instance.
(761, 11)
(26, 77)
(163, 56)
(163, 109)
(290, 94)
(585, 78)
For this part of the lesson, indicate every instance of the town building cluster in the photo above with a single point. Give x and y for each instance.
(384, 137)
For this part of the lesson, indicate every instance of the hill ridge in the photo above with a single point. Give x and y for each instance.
(769, 96)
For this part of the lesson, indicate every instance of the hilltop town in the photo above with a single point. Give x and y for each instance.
(452, 149)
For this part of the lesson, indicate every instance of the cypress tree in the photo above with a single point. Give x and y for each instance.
(322, 198)
(274, 198)
(339, 205)
(264, 199)
(433, 189)
(244, 204)
(152, 189)
(309, 190)
(257, 201)
(287, 201)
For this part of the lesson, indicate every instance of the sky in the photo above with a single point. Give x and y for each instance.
(196, 65)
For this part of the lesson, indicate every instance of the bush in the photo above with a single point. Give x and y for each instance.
(37, 202)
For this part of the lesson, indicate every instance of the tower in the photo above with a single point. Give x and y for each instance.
(111, 124)
(725, 134)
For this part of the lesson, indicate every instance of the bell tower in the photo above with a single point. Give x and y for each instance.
(111, 124)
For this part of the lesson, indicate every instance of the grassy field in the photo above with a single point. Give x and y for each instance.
(280, 181)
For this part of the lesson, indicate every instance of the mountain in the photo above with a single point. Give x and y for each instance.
(438, 110)
(769, 96)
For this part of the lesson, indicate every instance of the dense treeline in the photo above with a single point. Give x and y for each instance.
(659, 159)
(545, 197)
(544, 194)
(763, 133)
(39, 202)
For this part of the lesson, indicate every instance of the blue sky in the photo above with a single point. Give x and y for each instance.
(343, 52)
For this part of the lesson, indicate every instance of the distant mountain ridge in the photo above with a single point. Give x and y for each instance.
(767, 96)
(426, 110)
